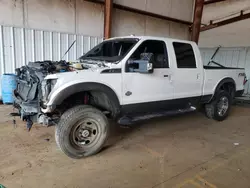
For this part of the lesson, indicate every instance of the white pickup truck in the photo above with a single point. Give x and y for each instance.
(125, 79)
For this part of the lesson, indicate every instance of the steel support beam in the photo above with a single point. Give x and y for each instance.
(212, 1)
(108, 9)
(213, 25)
(198, 10)
(142, 12)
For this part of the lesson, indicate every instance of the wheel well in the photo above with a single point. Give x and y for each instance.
(98, 99)
(229, 87)
(98, 95)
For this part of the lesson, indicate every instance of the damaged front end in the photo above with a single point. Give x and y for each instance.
(32, 90)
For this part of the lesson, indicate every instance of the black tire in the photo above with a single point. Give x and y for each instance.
(212, 109)
(69, 138)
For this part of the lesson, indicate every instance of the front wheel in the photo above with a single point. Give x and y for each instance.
(219, 108)
(82, 131)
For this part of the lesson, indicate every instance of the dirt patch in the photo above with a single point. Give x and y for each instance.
(157, 153)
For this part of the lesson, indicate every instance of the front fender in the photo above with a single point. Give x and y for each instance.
(61, 94)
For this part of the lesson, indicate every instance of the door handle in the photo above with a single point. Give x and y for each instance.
(168, 76)
(198, 76)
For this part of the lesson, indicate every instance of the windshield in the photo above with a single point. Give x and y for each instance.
(111, 50)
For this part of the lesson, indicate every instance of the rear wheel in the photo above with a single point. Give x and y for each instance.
(82, 131)
(219, 108)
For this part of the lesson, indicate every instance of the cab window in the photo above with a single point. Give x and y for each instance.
(184, 54)
(157, 48)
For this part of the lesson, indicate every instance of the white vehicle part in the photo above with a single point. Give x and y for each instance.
(212, 77)
(65, 80)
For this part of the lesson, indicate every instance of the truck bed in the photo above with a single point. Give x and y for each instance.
(214, 75)
(217, 67)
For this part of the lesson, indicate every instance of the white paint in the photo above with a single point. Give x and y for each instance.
(233, 37)
(213, 77)
(30, 18)
(230, 57)
(181, 83)
(188, 82)
(145, 87)
(68, 79)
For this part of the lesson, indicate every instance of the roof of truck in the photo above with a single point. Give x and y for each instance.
(151, 37)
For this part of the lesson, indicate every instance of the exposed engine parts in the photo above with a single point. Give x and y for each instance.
(32, 89)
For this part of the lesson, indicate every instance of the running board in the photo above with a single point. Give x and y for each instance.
(129, 120)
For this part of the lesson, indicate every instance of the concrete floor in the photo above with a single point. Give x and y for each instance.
(186, 151)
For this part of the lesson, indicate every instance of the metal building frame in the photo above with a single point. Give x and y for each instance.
(195, 27)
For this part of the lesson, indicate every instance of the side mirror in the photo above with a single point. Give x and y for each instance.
(144, 65)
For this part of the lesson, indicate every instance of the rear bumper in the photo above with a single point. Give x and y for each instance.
(239, 93)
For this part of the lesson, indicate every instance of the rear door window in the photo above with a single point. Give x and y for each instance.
(184, 53)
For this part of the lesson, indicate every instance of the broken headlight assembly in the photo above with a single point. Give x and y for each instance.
(47, 86)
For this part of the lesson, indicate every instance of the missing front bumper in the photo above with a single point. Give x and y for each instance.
(30, 111)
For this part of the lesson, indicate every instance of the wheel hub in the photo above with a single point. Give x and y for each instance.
(223, 105)
(85, 133)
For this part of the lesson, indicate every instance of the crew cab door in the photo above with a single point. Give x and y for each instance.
(146, 92)
(188, 72)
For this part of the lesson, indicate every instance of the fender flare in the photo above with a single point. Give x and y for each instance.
(89, 86)
(223, 81)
